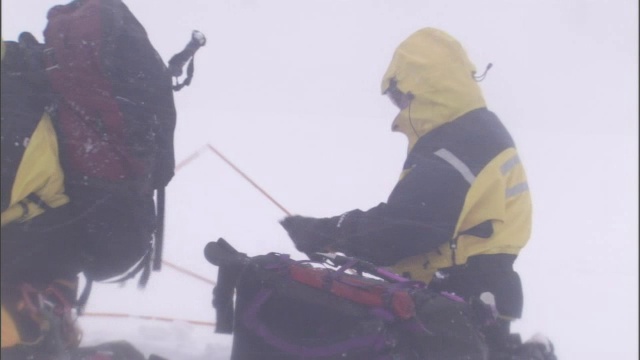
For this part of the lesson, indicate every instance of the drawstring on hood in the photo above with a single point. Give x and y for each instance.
(481, 77)
(435, 69)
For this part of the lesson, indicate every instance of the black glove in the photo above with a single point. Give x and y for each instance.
(310, 235)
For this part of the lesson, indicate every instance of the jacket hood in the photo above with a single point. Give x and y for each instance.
(433, 66)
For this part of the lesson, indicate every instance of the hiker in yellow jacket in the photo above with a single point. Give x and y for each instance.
(37, 246)
(461, 211)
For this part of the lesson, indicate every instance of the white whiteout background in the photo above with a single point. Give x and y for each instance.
(289, 91)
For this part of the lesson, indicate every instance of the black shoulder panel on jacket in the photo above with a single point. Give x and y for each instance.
(475, 138)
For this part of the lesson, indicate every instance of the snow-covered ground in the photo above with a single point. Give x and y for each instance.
(172, 340)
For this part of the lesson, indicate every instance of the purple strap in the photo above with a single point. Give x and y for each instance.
(250, 319)
(452, 296)
(391, 276)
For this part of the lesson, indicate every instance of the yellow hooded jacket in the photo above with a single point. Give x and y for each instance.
(30, 164)
(463, 190)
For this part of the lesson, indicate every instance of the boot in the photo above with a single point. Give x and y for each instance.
(539, 347)
(62, 293)
(502, 343)
(45, 317)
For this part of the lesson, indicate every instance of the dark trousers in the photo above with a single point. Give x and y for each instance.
(486, 273)
(493, 274)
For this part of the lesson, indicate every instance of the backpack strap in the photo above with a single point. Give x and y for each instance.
(143, 266)
(84, 296)
(187, 81)
(223, 292)
(38, 201)
(158, 241)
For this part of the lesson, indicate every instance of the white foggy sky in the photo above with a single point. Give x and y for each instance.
(289, 91)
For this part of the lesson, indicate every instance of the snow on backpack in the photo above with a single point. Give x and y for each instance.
(116, 114)
(114, 111)
(288, 309)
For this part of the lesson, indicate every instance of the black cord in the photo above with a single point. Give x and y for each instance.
(481, 77)
(410, 120)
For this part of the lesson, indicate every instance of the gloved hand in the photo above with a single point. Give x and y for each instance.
(310, 235)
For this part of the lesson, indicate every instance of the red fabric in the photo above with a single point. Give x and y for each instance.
(403, 305)
(359, 290)
(92, 126)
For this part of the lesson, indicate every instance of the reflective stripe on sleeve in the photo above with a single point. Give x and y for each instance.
(509, 164)
(453, 160)
(517, 189)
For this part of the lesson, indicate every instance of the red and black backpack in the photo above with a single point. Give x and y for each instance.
(110, 97)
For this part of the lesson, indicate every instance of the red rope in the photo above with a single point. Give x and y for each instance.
(248, 179)
(188, 272)
(178, 167)
(186, 162)
(190, 158)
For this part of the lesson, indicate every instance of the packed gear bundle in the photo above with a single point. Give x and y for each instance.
(88, 121)
(288, 309)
